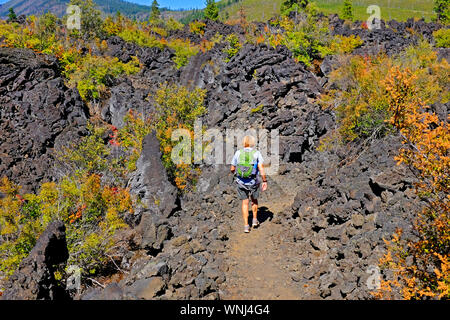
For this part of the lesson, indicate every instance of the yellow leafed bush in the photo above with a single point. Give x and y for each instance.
(178, 108)
(91, 212)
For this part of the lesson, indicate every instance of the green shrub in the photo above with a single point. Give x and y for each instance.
(178, 108)
(90, 154)
(442, 9)
(341, 45)
(310, 39)
(287, 6)
(442, 38)
(233, 46)
(307, 40)
(130, 137)
(257, 108)
(39, 34)
(184, 50)
(347, 11)
(11, 15)
(140, 37)
(18, 228)
(46, 29)
(172, 25)
(197, 27)
(211, 10)
(92, 73)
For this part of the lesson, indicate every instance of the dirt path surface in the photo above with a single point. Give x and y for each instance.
(256, 260)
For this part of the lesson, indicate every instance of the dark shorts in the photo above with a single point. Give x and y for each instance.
(248, 191)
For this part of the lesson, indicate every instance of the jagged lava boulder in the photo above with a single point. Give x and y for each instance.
(158, 196)
(37, 113)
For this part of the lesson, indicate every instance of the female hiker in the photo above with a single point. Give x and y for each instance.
(247, 166)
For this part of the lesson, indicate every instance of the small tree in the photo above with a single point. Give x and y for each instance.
(11, 15)
(155, 15)
(442, 9)
(288, 4)
(243, 18)
(91, 21)
(47, 25)
(211, 10)
(347, 12)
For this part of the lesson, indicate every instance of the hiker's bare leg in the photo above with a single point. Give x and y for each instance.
(245, 211)
(255, 208)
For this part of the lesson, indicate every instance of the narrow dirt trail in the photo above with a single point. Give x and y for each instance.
(255, 260)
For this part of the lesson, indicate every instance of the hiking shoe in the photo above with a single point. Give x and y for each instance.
(255, 223)
(247, 229)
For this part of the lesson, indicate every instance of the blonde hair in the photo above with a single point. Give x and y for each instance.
(248, 141)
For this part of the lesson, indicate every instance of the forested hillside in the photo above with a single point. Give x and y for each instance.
(58, 7)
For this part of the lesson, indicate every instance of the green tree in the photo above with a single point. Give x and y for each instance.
(293, 4)
(442, 9)
(91, 21)
(155, 15)
(347, 12)
(211, 10)
(47, 25)
(243, 17)
(12, 15)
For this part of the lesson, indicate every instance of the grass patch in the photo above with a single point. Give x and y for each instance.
(390, 9)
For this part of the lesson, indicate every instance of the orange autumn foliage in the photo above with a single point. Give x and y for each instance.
(427, 141)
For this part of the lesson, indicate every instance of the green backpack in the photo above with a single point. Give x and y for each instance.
(245, 166)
